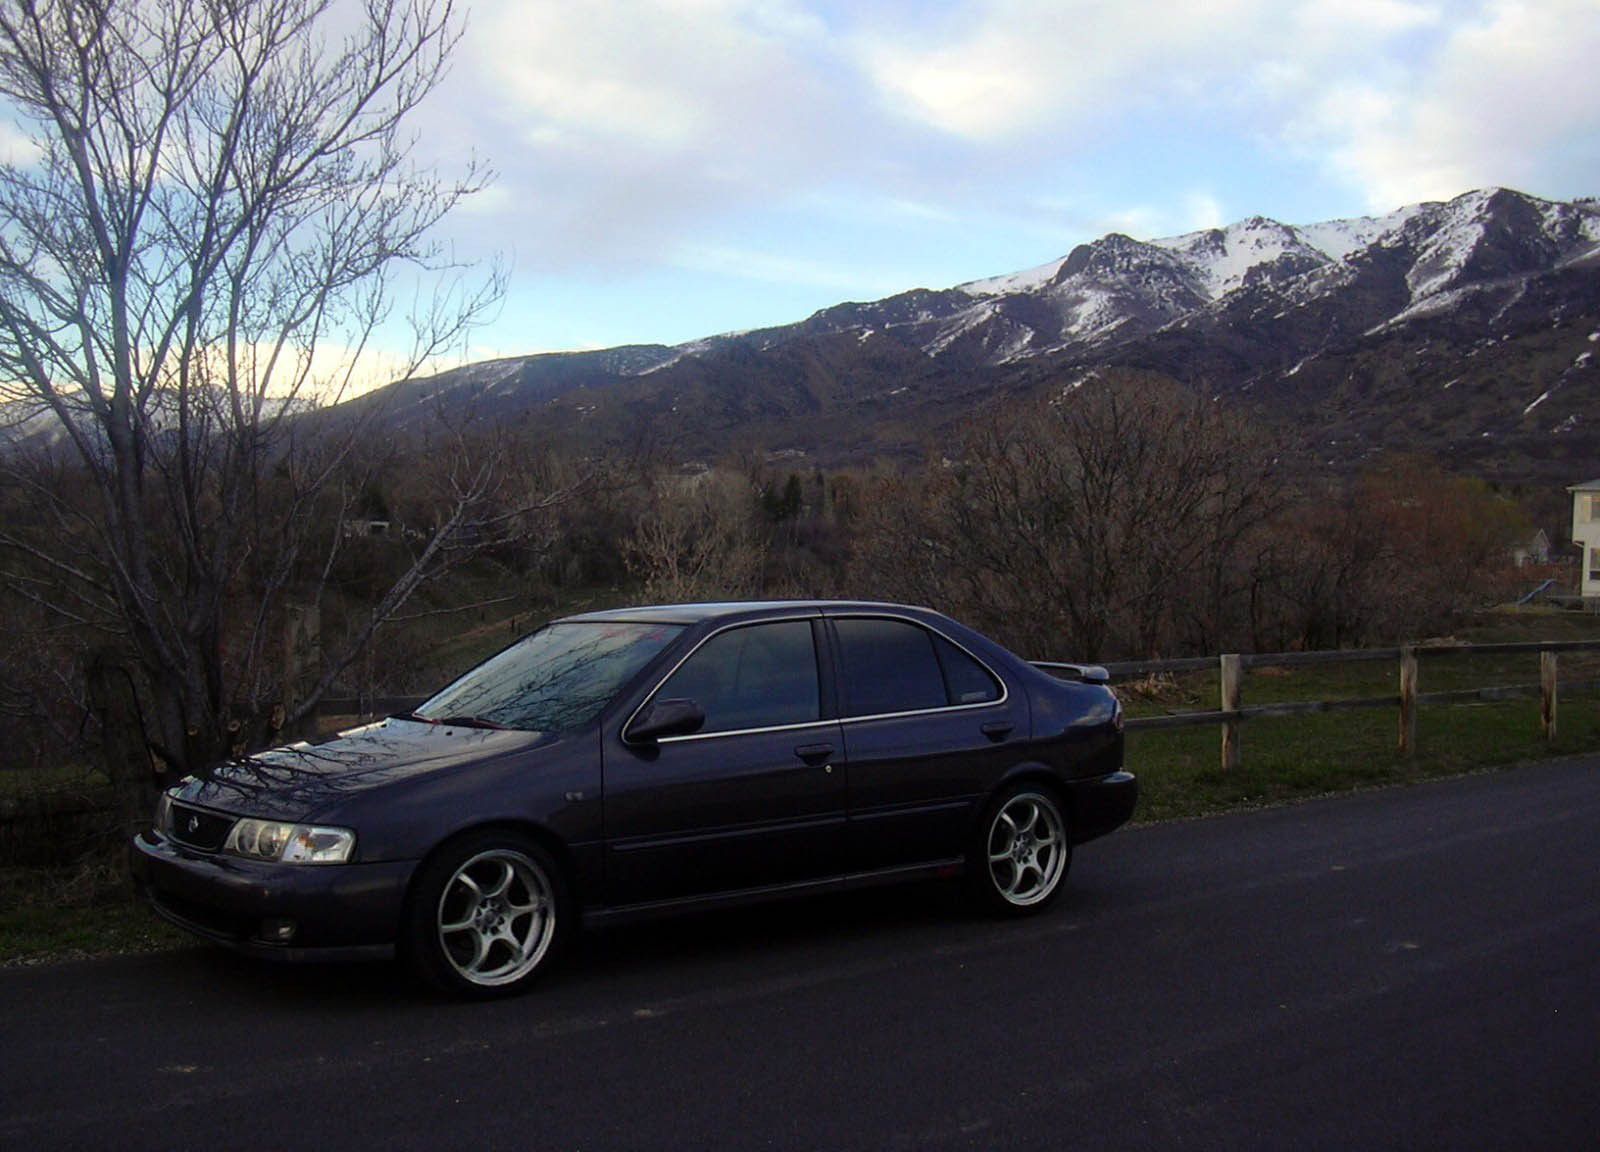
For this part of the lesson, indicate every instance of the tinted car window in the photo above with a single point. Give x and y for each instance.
(758, 676)
(555, 680)
(888, 666)
(966, 681)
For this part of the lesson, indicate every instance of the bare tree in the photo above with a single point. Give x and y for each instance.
(1405, 549)
(699, 538)
(208, 236)
(1097, 520)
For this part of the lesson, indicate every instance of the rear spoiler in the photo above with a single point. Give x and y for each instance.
(1088, 673)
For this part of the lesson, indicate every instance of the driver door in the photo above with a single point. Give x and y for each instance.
(756, 798)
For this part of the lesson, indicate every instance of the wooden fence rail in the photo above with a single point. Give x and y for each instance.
(1231, 710)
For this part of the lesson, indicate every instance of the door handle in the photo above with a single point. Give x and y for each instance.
(815, 754)
(997, 729)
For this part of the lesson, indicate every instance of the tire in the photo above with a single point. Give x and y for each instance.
(488, 914)
(1022, 851)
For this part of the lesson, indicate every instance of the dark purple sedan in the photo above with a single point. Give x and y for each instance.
(645, 760)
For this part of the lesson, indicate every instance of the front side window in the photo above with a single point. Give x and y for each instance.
(756, 676)
(556, 680)
(893, 666)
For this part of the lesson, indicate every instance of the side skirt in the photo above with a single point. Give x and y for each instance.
(629, 913)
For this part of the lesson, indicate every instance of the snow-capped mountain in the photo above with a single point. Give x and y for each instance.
(1476, 313)
(1117, 288)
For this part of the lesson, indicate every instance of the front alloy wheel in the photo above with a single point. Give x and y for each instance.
(486, 916)
(1024, 854)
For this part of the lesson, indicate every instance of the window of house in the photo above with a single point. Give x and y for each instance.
(892, 666)
(757, 676)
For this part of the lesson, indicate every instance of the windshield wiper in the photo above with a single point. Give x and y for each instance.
(451, 721)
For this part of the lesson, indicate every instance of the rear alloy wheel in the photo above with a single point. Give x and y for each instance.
(487, 915)
(1024, 852)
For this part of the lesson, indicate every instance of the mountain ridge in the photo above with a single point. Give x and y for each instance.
(1454, 327)
(1465, 328)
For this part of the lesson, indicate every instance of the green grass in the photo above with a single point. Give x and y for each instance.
(53, 914)
(1289, 758)
(1285, 759)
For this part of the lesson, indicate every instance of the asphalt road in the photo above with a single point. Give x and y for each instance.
(1417, 968)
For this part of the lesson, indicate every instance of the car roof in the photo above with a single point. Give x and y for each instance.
(697, 613)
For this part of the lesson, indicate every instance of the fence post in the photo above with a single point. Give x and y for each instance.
(302, 649)
(1547, 694)
(1230, 670)
(1408, 701)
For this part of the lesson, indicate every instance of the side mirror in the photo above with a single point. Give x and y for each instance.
(666, 718)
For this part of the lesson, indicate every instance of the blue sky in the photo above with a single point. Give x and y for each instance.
(668, 169)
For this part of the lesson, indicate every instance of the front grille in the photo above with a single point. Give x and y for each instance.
(197, 828)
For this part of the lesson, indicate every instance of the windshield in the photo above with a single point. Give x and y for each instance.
(555, 680)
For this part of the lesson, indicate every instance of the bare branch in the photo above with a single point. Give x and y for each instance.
(223, 194)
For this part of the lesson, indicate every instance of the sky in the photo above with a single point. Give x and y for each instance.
(671, 169)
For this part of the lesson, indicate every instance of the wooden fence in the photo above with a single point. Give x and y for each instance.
(1231, 710)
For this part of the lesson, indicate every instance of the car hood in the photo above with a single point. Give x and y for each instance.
(294, 782)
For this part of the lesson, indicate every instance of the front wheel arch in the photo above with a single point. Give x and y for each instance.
(537, 833)
(527, 859)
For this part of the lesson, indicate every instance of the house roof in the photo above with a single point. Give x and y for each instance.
(1591, 486)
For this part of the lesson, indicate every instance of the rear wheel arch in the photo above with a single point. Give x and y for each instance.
(1020, 849)
(1033, 775)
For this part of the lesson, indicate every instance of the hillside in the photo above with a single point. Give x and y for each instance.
(1467, 329)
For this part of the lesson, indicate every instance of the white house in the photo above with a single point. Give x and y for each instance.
(1534, 550)
(1586, 533)
(362, 526)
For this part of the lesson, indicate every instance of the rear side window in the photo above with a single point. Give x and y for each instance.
(895, 666)
(758, 676)
(966, 681)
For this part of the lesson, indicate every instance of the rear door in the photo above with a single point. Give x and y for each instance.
(928, 730)
(756, 798)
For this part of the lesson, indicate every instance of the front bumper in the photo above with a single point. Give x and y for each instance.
(1101, 804)
(339, 911)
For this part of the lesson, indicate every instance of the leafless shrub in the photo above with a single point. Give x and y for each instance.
(220, 206)
(699, 538)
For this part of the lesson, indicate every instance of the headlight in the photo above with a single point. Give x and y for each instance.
(290, 843)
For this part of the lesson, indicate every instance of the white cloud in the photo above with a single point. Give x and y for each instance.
(1379, 17)
(1005, 68)
(1001, 68)
(745, 139)
(1404, 99)
(1204, 211)
(15, 148)
(650, 74)
(1511, 97)
(618, 123)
